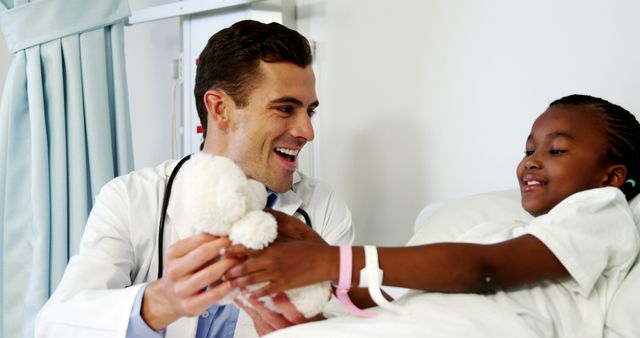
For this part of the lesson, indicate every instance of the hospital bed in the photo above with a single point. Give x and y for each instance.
(460, 315)
(441, 222)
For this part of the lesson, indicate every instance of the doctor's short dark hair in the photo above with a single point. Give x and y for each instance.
(230, 59)
(623, 134)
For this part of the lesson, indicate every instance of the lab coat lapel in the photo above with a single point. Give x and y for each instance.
(170, 232)
(175, 231)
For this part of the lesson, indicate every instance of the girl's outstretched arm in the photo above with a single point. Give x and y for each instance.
(466, 267)
(441, 267)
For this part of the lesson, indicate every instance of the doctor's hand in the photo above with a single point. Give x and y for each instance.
(285, 264)
(191, 282)
(266, 321)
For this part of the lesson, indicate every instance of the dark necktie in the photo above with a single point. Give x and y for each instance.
(271, 199)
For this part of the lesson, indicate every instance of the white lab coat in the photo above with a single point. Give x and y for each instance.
(118, 254)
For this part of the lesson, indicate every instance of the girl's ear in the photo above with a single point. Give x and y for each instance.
(217, 103)
(616, 175)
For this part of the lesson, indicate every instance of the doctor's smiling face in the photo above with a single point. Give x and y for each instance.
(566, 152)
(255, 94)
(266, 134)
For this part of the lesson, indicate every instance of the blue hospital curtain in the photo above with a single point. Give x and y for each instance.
(64, 132)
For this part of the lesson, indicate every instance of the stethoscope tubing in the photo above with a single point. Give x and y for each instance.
(163, 211)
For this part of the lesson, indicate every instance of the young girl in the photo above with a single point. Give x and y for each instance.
(551, 277)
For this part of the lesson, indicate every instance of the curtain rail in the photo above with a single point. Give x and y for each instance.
(180, 8)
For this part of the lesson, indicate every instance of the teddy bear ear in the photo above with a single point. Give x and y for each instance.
(256, 194)
(230, 202)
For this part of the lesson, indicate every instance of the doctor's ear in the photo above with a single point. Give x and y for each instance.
(616, 176)
(218, 106)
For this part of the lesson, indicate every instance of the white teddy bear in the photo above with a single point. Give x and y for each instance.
(213, 195)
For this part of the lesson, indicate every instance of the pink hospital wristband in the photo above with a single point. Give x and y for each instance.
(344, 283)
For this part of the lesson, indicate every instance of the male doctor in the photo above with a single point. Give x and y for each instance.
(255, 95)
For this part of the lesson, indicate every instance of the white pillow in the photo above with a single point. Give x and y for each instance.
(444, 222)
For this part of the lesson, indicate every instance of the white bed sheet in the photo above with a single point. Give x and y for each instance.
(431, 315)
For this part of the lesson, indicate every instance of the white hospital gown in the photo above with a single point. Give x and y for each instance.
(591, 232)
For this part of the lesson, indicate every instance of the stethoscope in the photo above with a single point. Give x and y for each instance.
(165, 204)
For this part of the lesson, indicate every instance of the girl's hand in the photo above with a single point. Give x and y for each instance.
(285, 264)
(266, 321)
(290, 227)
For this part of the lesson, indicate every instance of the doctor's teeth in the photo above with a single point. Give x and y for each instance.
(533, 182)
(290, 152)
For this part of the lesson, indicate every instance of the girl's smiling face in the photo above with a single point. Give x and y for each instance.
(566, 152)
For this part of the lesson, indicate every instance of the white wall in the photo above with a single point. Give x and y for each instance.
(420, 100)
(149, 50)
(429, 100)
